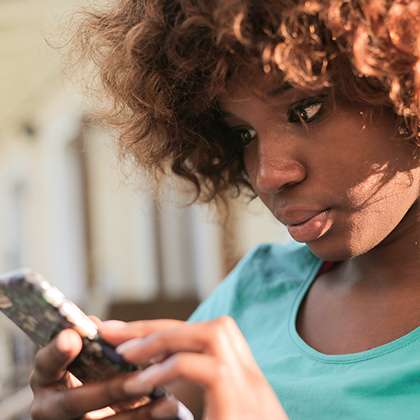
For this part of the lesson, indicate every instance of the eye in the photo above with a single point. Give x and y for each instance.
(305, 111)
(244, 135)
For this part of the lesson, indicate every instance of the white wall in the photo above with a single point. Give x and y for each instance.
(253, 223)
(122, 215)
(58, 211)
(191, 243)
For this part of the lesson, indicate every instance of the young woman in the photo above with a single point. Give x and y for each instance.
(313, 106)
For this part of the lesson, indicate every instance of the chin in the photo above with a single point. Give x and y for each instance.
(358, 235)
(335, 247)
(326, 253)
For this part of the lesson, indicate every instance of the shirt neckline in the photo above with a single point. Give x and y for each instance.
(347, 358)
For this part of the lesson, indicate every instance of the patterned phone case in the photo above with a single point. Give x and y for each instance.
(42, 311)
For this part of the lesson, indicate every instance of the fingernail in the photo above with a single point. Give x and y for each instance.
(127, 346)
(67, 341)
(138, 384)
(113, 324)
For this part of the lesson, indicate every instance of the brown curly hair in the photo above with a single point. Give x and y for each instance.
(164, 63)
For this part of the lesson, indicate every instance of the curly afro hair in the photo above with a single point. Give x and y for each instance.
(164, 63)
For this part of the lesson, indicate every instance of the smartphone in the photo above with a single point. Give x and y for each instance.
(42, 311)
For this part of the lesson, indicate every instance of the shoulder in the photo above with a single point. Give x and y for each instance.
(268, 269)
(271, 259)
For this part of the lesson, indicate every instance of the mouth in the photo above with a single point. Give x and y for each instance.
(312, 227)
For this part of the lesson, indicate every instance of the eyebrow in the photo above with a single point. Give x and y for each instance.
(284, 87)
(280, 89)
(226, 115)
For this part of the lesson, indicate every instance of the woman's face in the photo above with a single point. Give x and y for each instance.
(331, 173)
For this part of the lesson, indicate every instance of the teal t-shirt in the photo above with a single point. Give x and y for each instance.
(263, 294)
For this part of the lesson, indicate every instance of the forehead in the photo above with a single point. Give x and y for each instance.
(259, 90)
(254, 81)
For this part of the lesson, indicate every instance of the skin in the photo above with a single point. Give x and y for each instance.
(370, 183)
(213, 355)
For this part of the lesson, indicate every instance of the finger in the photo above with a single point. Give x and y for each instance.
(116, 332)
(234, 340)
(142, 413)
(96, 320)
(51, 361)
(42, 410)
(187, 337)
(197, 368)
(66, 382)
(220, 337)
(166, 408)
(130, 404)
(231, 344)
(76, 402)
(72, 381)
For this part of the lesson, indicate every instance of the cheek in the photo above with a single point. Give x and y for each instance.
(376, 207)
(372, 187)
(386, 195)
(250, 157)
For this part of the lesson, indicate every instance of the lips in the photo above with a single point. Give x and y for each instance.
(306, 225)
(296, 216)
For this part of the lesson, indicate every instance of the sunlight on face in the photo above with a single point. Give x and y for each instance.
(306, 152)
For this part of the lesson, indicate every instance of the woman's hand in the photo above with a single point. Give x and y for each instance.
(212, 354)
(59, 395)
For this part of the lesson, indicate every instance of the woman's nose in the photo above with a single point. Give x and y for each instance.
(276, 172)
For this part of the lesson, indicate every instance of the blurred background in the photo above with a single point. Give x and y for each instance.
(69, 211)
